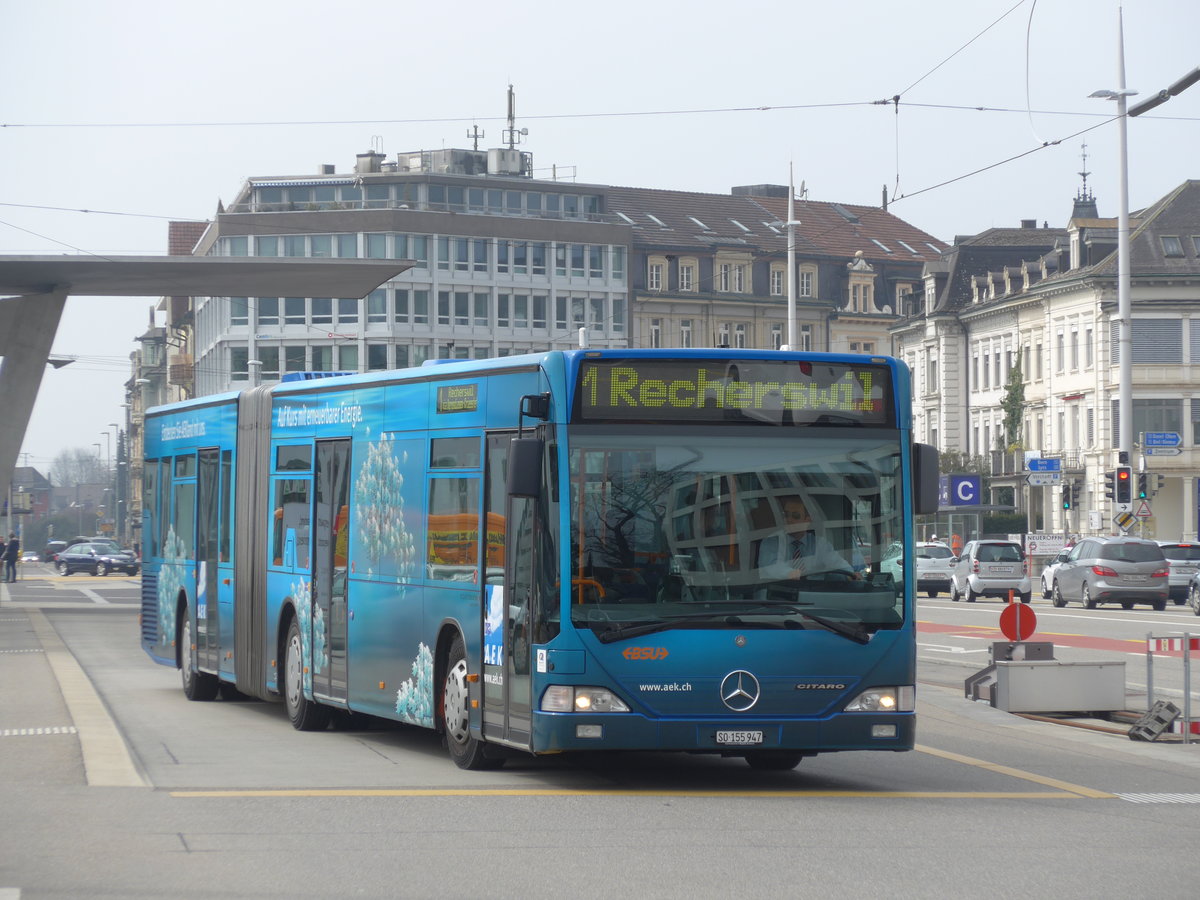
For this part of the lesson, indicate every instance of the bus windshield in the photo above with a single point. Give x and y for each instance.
(703, 530)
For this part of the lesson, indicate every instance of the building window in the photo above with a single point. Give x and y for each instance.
(482, 301)
(932, 369)
(805, 338)
(1172, 246)
(377, 357)
(1038, 357)
(1089, 348)
(502, 308)
(687, 277)
(269, 357)
(322, 311)
(723, 334)
(1074, 349)
(738, 282)
(656, 333)
(238, 314)
(776, 282)
(347, 311)
(239, 364)
(739, 335)
(293, 310)
(268, 311)
(376, 306)
(723, 277)
(808, 282)
(347, 358)
(654, 280)
(1060, 356)
(862, 346)
(596, 313)
(685, 332)
(293, 358)
(776, 336)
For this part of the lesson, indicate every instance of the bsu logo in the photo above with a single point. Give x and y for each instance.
(644, 652)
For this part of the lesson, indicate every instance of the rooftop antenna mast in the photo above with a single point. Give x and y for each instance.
(475, 134)
(1084, 193)
(512, 134)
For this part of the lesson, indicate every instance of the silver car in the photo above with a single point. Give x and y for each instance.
(990, 569)
(935, 562)
(1112, 570)
(1184, 560)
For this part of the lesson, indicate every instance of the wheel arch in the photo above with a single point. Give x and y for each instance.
(449, 630)
(182, 612)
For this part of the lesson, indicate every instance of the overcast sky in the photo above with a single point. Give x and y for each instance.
(143, 112)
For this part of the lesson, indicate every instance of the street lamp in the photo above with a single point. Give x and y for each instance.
(1124, 279)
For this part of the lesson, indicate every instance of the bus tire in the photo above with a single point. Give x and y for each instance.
(465, 750)
(197, 685)
(773, 760)
(305, 714)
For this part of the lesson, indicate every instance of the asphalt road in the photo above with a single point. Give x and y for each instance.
(114, 785)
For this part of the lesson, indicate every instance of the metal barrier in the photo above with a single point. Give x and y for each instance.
(1171, 644)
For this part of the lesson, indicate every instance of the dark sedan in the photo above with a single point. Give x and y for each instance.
(96, 558)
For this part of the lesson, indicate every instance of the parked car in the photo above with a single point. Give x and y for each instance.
(96, 558)
(50, 554)
(990, 569)
(935, 562)
(1050, 569)
(1112, 570)
(1184, 560)
(1193, 599)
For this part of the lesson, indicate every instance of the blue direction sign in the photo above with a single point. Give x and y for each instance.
(1161, 439)
(1038, 464)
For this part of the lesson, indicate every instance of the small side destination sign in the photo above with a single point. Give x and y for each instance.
(456, 398)
(751, 391)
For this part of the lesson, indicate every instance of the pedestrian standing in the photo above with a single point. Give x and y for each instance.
(12, 551)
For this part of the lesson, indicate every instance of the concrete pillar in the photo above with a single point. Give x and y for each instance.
(1188, 532)
(30, 323)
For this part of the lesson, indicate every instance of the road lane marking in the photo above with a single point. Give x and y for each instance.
(106, 759)
(1078, 789)
(93, 596)
(627, 792)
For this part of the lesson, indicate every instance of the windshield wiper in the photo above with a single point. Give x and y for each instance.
(618, 632)
(856, 633)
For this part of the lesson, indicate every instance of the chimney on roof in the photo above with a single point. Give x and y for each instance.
(761, 190)
(1029, 223)
(366, 163)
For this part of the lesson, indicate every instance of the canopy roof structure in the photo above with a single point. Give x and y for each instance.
(34, 290)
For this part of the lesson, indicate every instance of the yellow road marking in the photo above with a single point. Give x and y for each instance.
(1017, 773)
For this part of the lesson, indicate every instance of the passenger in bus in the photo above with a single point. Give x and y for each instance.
(799, 552)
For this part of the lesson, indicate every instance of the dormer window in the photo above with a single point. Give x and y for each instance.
(1172, 246)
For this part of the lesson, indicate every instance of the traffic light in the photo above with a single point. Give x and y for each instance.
(1068, 495)
(1124, 484)
(1110, 485)
(1158, 482)
(1143, 486)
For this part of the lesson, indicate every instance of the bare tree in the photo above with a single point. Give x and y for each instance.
(78, 465)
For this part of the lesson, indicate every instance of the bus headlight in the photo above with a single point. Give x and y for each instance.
(574, 698)
(885, 699)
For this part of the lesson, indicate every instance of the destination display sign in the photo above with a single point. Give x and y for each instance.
(756, 391)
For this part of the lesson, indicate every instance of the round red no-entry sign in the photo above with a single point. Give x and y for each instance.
(1017, 622)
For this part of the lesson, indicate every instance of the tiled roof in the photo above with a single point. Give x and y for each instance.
(686, 219)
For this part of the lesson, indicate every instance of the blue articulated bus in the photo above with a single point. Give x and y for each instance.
(550, 553)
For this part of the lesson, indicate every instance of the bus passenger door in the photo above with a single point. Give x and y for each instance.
(329, 577)
(508, 596)
(208, 630)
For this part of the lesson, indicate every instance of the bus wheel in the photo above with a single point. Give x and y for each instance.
(306, 715)
(466, 751)
(197, 685)
(773, 760)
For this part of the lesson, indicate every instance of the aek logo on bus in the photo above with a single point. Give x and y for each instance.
(645, 652)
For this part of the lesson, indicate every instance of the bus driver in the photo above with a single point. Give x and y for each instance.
(799, 552)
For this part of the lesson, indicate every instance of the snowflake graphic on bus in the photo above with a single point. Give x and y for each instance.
(170, 582)
(312, 632)
(383, 538)
(414, 700)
